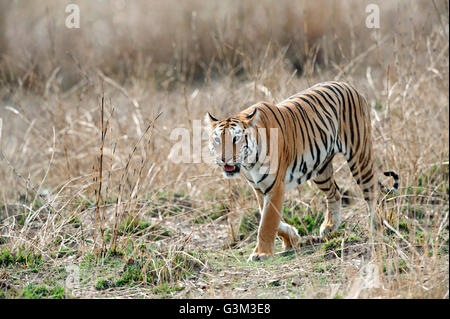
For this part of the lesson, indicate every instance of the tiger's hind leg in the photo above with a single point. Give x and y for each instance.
(326, 183)
(362, 168)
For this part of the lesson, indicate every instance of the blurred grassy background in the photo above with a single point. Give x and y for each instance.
(188, 40)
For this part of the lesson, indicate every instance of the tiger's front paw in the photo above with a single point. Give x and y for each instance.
(327, 227)
(260, 253)
(258, 257)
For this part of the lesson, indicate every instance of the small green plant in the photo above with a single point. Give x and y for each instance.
(377, 105)
(402, 267)
(103, 284)
(21, 257)
(353, 238)
(320, 270)
(333, 243)
(308, 224)
(166, 288)
(157, 268)
(75, 222)
(132, 273)
(133, 225)
(249, 223)
(275, 283)
(64, 251)
(32, 291)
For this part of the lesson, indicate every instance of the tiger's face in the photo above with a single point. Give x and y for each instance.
(231, 142)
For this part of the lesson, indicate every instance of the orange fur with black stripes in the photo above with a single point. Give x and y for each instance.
(278, 147)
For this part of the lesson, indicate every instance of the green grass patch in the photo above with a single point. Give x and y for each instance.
(332, 244)
(249, 224)
(21, 257)
(306, 221)
(167, 289)
(103, 284)
(32, 291)
(75, 222)
(133, 225)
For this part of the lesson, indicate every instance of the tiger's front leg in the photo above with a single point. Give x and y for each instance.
(288, 234)
(268, 226)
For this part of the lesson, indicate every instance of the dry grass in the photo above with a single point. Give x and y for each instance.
(85, 168)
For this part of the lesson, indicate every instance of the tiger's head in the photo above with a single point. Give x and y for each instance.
(232, 141)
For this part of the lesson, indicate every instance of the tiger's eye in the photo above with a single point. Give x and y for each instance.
(217, 140)
(236, 139)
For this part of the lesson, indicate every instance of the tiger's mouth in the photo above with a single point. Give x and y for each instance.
(231, 170)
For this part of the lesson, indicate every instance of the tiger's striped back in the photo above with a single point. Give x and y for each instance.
(315, 124)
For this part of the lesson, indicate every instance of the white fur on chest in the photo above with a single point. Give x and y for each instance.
(292, 178)
(257, 177)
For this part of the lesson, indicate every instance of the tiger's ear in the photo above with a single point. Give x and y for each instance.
(254, 115)
(209, 119)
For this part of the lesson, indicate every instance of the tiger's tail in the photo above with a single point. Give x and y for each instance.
(394, 188)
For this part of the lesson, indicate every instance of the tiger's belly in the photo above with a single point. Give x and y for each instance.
(298, 179)
(293, 180)
(260, 178)
(304, 169)
(295, 175)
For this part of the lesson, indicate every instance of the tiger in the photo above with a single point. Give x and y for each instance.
(307, 130)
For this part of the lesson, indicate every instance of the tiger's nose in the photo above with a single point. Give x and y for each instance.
(221, 161)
